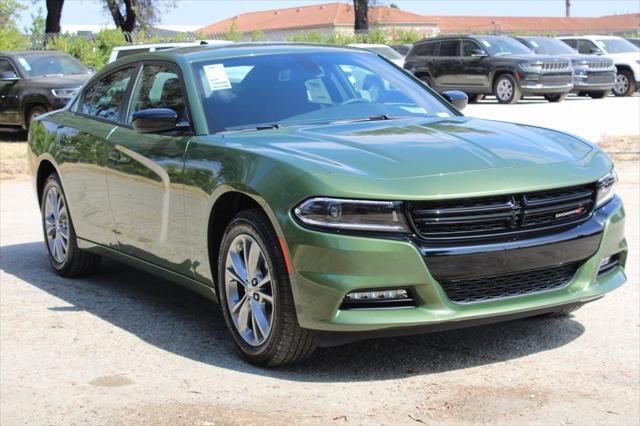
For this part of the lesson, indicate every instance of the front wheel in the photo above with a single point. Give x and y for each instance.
(506, 89)
(597, 95)
(625, 84)
(255, 293)
(65, 257)
(556, 97)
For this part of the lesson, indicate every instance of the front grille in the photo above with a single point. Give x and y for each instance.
(600, 64)
(482, 289)
(556, 66)
(557, 80)
(607, 78)
(498, 216)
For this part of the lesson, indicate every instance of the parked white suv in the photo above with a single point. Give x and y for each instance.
(625, 55)
(132, 49)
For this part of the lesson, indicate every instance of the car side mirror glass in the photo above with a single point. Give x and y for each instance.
(595, 51)
(155, 120)
(8, 76)
(478, 53)
(456, 98)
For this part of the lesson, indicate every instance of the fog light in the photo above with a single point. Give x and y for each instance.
(383, 298)
(608, 263)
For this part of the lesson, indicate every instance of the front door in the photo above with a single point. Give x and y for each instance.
(145, 172)
(9, 102)
(475, 67)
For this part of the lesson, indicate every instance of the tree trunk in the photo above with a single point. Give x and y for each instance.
(361, 9)
(126, 23)
(54, 13)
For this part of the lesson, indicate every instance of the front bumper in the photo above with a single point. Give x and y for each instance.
(545, 83)
(325, 267)
(595, 81)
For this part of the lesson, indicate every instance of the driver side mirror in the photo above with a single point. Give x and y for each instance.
(479, 53)
(156, 120)
(8, 76)
(456, 98)
(596, 51)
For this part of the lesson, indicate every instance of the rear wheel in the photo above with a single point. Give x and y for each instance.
(474, 97)
(255, 293)
(625, 84)
(556, 97)
(506, 89)
(65, 257)
(426, 80)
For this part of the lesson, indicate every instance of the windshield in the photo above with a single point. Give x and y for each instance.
(385, 51)
(616, 45)
(296, 88)
(549, 46)
(497, 45)
(50, 65)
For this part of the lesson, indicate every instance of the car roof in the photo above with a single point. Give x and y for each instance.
(234, 50)
(13, 53)
(366, 45)
(593, 36)
(173, 44)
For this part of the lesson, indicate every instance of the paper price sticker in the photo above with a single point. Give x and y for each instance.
(217, 77)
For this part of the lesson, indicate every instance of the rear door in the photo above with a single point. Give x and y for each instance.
(446, 69)
(145, 173)
(82, 156)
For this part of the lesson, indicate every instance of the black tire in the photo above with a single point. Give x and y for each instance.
(625, 84)
(511, 96)
(286, 342)
(76, 262)
(474, 97)
(33, 112)
(426, 80)
(598, 95)
(556, 97)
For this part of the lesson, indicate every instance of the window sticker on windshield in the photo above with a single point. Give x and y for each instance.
(486, 43)
(217, 77)
(533, 43)
(24, 64)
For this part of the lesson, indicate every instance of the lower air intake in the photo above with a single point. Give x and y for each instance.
(481, 289)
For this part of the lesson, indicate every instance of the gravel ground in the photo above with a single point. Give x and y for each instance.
(125, 347)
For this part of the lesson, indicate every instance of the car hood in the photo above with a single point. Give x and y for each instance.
(428, 157)
(53, 82)
(533, 57)
(629, 56)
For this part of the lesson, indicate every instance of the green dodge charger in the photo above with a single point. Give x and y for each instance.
(322, 195)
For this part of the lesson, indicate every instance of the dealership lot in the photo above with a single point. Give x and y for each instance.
(124, 346)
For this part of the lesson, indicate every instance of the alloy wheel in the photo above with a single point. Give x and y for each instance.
(622, 84)
(249, 290)
(504, 89)
(56, 222)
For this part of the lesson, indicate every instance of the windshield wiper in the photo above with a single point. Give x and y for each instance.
(251, 128)
(380, 117)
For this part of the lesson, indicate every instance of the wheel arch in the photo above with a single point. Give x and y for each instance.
(499, 72)
(45, 168)
(31, 101)
(226, 205)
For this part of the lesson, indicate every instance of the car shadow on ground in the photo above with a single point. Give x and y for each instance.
(12, 136)
(176, 320)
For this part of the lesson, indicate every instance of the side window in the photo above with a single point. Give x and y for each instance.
(449, 48)
(87, 98)
(158, 87)
(107, 99)
(572, 43)
(586, 46)
(5, 66)
(425, 49)
(470, 47)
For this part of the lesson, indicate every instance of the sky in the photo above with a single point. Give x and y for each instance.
(203, 12)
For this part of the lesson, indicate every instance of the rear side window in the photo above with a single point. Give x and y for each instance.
(5, 66)
(449, 48)
(104, 99)
(425, 49)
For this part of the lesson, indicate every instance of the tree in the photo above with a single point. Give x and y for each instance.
(10, 37)
(54, 14)
(130, 15)
(361, 9)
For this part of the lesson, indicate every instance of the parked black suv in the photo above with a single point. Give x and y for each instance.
(482, 65)
(35, 82)
(593, 75)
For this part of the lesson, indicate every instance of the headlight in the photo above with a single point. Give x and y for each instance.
(531, 66)
(606, 188)
(64, 93)
(353, 215)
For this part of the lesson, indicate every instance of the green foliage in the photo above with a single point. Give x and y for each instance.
(258, 35)
(38, 23)
(376, 36)
(10, 37)
(232, 33)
